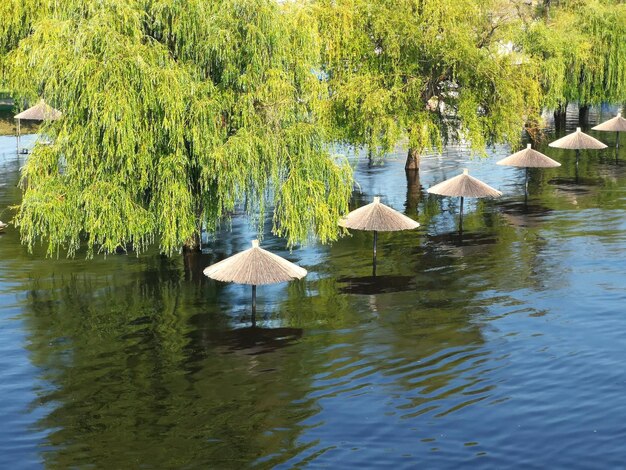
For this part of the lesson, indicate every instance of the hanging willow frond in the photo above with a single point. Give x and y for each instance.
(582, 53)
(174, 114)
(432, 71)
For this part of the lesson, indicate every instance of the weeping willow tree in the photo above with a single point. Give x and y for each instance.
(581, 49)
(175, 115)
(428, 70)
(16, 18)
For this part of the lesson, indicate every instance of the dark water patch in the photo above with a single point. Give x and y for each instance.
(257, 340)
(580, 185)
(531, 214)
(372, 285)
(462, 243)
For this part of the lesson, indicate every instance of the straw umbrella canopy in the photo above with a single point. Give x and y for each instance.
(576, 141)
(40, 112)
(528, 158)
(256, 267)
(616, 124)
(377, 217)
(463, 186)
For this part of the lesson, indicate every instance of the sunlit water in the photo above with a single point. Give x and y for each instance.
(501, 347)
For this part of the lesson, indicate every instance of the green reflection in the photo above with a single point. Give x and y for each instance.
(138, 373)
(145, 362)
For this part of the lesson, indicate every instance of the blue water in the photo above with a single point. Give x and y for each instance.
(501, 347)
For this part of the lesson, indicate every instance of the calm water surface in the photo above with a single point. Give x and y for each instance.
(504, 347)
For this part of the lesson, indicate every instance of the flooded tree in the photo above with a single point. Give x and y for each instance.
(176, 115)
(581, 50)
(428, 71)
(179, 114)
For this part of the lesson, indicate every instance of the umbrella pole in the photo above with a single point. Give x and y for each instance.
(577, 157)
(617, 140)
(374, 260)
(253, 305)
(461, 216)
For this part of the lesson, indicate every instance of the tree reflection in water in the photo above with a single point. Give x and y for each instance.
(145, 362)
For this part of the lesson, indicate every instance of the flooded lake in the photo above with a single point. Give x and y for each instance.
(500, 347)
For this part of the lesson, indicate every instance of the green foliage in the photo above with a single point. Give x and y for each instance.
(16, 17)
(581, 50)
(430, 70)
(175, 114)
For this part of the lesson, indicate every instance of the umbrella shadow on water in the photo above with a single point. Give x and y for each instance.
(520, 214)
(611, 169)
(610, 157)
(253, 340)
(578, 185)
(372, 285)
(460, 243)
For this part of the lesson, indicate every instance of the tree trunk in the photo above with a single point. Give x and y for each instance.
(533, 129)
(193, 244)
(412, 160)
(583, 115)
(560, 114)
(546, 10)
(194, 266)
(413, 191)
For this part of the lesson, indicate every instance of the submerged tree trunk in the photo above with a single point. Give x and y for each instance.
(546, 9)
(193, 244)
(534, 130)
(370, 158)
(194, 266)
(412, 160)
(413, 191)
(560, 114)
(583, 115)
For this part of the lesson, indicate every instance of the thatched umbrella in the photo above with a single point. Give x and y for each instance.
(377, 217)
(528, 158)
(616, 124)
(576, 141)
(256, 267)
(463, 186)
(40, 112)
